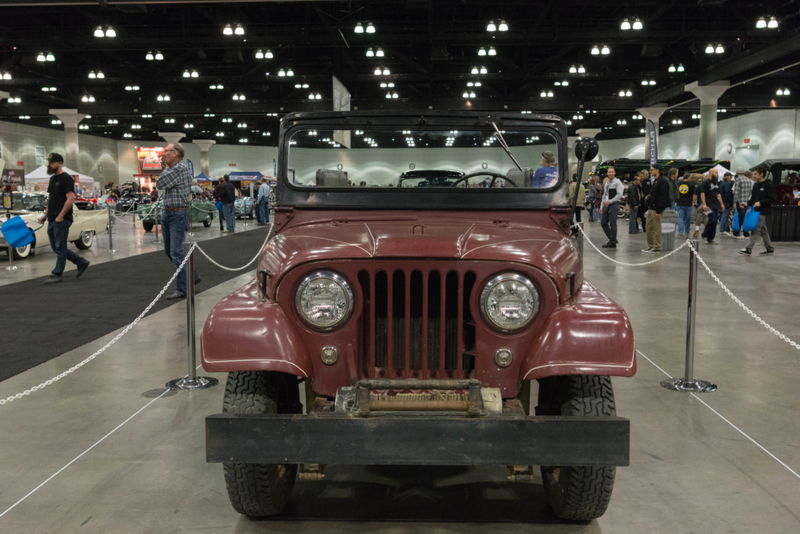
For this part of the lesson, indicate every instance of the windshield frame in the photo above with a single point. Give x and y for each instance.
(290, 195)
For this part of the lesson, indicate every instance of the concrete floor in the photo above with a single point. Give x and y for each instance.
(691, 470)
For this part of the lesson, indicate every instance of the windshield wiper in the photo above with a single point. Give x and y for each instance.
(505, 146)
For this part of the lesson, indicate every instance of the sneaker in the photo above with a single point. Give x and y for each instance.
(646, 250)
(746, 252)
(713, 243)
(176, 295)
(610, 245)
(654, 251)
(741, 237)
(197, 280)
(82, 267)
(53, 279)
(767, 252)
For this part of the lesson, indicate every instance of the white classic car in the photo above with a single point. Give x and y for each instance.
(86, 224)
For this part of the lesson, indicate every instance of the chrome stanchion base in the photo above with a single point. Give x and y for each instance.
(111, 251)
(185, 383)
(12, 268)
(689, 386)
(156, 241)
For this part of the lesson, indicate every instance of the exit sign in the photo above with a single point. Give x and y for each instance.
(234, 165)
(20, 163)
(747, 140)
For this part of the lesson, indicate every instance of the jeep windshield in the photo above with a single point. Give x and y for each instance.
(419, 161)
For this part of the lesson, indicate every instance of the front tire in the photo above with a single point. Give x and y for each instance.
(577, 493)
(259, 490)
(85, 240)
(20, 253)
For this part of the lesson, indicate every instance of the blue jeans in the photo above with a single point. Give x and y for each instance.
(608, 220)
(173, 230)
(230, 216)
(723, 223)
(633, 226)
(57, 232)
(263, 210)
(684, 219)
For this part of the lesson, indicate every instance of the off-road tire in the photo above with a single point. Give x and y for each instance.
(577, 493)
(260, 490)
(148, 226)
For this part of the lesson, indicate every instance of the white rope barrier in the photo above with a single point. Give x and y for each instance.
(664, 257)
(100, 351)
(238, 268)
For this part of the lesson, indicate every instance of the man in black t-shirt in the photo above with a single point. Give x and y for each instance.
(59, 217)
(684, 204)
(710, 204)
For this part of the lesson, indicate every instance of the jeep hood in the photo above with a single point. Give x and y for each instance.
(417, 237)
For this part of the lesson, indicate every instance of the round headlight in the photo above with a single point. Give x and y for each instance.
(324, 300)
(509, 302)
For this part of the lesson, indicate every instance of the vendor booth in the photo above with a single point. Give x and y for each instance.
(42, 179)
(784, 223)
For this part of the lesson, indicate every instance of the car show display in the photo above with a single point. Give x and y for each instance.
(418, 316)
(150, 214)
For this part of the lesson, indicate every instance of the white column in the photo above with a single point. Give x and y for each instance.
(652, 113)
(709, 97)
(172, 137)
(205, 145)
(70, 118)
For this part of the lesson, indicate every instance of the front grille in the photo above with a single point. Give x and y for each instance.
(417, 323)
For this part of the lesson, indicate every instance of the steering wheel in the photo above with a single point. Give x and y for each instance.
(494, 175)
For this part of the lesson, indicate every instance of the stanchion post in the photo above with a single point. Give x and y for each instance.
(110, 230)
(191, 381)
(11, 266)
(688, 383)
(157, 223)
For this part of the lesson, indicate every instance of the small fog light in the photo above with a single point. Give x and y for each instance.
(502, 358)
(329, 355)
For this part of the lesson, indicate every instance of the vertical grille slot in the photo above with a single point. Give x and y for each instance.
(417, 323)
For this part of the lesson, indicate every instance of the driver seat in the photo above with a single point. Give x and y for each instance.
(522, 178)
(331, 178)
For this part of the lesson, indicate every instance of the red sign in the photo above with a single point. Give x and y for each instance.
(150, 159)
(20, 163)
(231, 165)
(747, 140)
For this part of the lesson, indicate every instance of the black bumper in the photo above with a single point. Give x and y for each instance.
(418, 440)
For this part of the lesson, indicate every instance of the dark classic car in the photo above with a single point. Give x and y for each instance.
(418, 318)
(428, 178)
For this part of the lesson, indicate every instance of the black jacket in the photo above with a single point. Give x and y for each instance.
(228, 193)
(634, 194)
(659, 195)
(764, 193)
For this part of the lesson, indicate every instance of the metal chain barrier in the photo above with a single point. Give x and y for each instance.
(741, 304)
(238, 268)
(629, 264)
(100, 351)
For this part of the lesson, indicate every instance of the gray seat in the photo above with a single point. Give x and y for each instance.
(331, 178)
(521, 178)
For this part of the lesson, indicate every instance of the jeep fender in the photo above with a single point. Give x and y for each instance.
(244, 333)
(590, 336)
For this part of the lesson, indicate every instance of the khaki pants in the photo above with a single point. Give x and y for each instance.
(762, 232)
(653, 230)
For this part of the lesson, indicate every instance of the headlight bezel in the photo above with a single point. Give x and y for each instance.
(507, 277)
(333, 276)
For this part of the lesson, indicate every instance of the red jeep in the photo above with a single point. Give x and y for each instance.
(420, 321)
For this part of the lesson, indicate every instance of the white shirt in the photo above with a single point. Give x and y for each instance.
(613, 192)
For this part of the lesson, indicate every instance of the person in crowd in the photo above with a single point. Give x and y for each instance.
(672, 177)
(647, 185)
(793, 178)
(154, 193)
(658, 201)
(227, 196)
(761, 199)
(216, 193)
(710, 204)
(726, 194)
(580, 201)
(609, 208)
(595, 195)
(59, 218)
(196, 189)
(684, 204)
(263, 203)
(742, 191)
(634, 195)
(175, 183)
(547, 175)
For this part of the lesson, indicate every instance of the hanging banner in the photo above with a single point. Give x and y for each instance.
(13, 177)
(652, 142)
(150, 159)
(341, 102)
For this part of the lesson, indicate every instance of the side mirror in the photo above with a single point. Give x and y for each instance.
(586, 148)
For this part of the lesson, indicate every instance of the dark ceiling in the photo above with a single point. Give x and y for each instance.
(430, 49)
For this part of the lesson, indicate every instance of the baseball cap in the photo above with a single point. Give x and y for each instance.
(55, 158)
(549, 156)
(740, 170)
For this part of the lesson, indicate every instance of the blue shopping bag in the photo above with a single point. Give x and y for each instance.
(17, 232)
(735, 221)
(750, 220)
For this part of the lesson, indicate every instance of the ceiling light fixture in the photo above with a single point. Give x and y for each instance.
(671, 68)
(710, 49)
(268, 54)
(680, 68)
(359, 28)
(195, 74)
(6, 75)
(159, 56)
(491, 27)
(761, 24)
(370, 28)
(482, 51)
(289, 72)
(483, 70)
(492, 51)
(260, 54)
(626, 25)
(773, 23)
(239, 30)
(370, 53)
(110, 32)
(605, 51)
(581, 70)
(186, 74)
(98, 32)
(227, 30)
(573, 69)
(595, 50)
(149, 56)
(719, 49)
(503, 27)
(637, 24)
(474, 70)
(379, 53)
(100, 74)
(92, 74)
(281, 73)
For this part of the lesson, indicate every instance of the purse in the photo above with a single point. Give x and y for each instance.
(750, 220)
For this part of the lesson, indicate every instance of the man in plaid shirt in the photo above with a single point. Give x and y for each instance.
(742, 190)
(175, 183)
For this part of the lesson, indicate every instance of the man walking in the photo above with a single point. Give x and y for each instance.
(609, 207)
(175, 185)
(726, 194)
(710, 203)
(263, 203)
(762, 198)
(59, 218)
(634, 201)
(742, 190)
(658, 202)
(684, 204)
(228, 196)
(672, 176)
